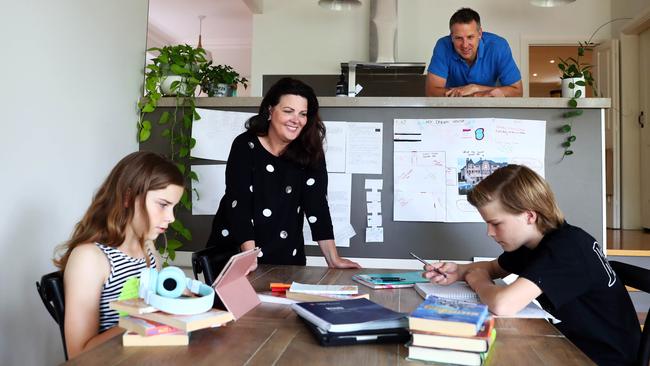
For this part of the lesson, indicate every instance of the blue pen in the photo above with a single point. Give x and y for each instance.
(428, 264)
(388, 279)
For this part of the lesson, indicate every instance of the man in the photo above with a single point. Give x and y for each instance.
(470, 62)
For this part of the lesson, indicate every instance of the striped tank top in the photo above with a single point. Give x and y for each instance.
(122, 268)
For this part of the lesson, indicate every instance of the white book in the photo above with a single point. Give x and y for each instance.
(324, 289)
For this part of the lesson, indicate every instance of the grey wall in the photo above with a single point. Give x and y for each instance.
(72, 72)
(576, 180)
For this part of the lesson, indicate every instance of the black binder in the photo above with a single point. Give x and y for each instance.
(325, 338)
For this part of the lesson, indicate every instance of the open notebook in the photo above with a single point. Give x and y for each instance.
(461, 291)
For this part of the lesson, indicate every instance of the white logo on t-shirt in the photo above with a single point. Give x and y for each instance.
(608, 269)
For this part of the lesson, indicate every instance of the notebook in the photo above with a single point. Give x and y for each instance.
(325, 338)
(459, 290)
(390, 280)
(232, 286)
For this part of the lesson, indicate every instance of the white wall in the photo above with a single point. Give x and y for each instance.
(72, 72)
(301, 38)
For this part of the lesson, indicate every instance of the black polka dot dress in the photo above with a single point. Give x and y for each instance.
(266, 200)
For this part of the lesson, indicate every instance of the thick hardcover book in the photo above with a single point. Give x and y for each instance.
(451, 356)
(349, 315)
(187, 323)
(132, 306)
(478, 343)
(389, 280)
(448, 316)
(325, 338)
(171, 339)
(145, 327)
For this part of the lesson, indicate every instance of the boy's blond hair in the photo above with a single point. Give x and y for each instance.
(519, 189)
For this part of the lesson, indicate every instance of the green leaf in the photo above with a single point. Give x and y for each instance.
(565, 128)
(185, 201)
(571, 138)
(573, 103)
(561, 66)
(148, 108)
(580, 83)
(161, 250)
(166, 132)
(172, 254)
(146, 124)
(571, 85)
(144, 134)
(196, 115)
(181, 167)
(187, 234)
(177, 225)
(566, 144)
(578, 94)
(164, 118)
(192, 143)
(187, 121)
(568, 152)
(574, 113)
(178, 70)
(183, 151)
(194, 176)
(173, 244)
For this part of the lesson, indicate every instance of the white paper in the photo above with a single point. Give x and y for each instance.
(374, 184)
(334, 145)
(339, 199)
(374, 207)
(364, 147)
(374, 235)
(373, 196)
(437, 161)
(215, 132)
(374, 220)
(211, 187)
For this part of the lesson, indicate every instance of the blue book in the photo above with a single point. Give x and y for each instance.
(349, 315)
(448, 316)
(390, 280)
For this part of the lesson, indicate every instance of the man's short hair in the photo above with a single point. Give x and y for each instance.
(465, 16)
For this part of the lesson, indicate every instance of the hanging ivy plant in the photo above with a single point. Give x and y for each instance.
(176, 71)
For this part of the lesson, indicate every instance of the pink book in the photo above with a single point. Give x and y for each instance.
(232, 286)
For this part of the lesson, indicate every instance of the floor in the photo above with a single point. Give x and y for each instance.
(628, 240)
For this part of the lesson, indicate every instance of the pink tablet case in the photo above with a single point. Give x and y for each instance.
(232, 286)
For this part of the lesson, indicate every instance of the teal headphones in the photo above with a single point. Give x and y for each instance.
(163, 289)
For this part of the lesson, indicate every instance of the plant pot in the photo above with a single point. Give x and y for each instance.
(166, 86)
(568, 92)
(219, 90)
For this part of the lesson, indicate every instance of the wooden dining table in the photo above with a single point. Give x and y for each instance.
(272, 334)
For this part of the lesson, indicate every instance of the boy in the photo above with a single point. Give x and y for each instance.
(560, 265)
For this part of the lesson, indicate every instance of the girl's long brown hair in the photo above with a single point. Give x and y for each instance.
(113, 206)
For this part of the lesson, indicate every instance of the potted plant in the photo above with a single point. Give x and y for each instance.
(220, 80)
(576, 74)
(176, 71)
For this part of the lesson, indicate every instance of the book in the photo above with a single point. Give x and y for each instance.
(132, 306)
(349, 315)
(451, 356)
(448, 316)
(389, 280)
(300, 297)
(145, 327)
(459, 290)
(179, 338)
(398, 335)
(186, 323)
(478, 343)
(323, 289)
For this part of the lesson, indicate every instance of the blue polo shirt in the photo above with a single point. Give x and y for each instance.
(494, 63)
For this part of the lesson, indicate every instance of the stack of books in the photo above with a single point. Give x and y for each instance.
(355, 321)
(305, 292)
(451, 331)
(146, 326)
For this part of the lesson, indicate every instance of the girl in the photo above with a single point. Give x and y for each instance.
(560, 265)
(131, 208)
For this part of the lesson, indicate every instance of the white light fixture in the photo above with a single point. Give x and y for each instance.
(552, 61)
(208, 54)
(535, 74)
(550, 3)
(339, 5)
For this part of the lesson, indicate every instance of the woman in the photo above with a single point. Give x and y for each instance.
(276, 176)
(131, 208)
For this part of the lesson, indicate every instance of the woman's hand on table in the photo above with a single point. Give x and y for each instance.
(338, 262)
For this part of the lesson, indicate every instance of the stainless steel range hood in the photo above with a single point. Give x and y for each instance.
(382, 47)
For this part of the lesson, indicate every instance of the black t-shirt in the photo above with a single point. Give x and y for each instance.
(580, 288)
(266, 200)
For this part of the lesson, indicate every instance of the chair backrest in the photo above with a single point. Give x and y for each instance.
(639, 278)
(50, 289)
(210, 261)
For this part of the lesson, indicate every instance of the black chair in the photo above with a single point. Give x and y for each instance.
(210, 261)
(639, 278)
(50, 288)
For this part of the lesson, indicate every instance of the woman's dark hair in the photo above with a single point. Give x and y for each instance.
(465, 16)
(307, 149)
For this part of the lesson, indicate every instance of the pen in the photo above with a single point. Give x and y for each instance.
(388, 279)
(427, 263)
